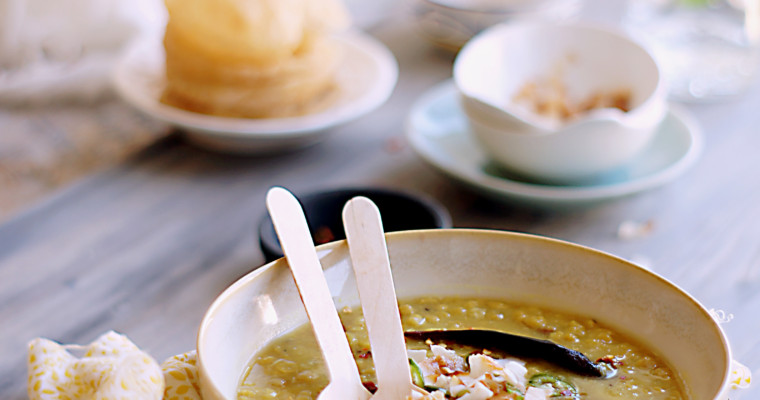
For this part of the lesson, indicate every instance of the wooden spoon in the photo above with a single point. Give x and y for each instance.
(369, 257)
(298, 247)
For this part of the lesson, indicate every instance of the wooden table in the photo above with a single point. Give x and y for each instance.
(143, 248)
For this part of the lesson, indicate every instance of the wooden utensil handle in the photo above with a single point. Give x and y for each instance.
(369, 257)
(298, 247)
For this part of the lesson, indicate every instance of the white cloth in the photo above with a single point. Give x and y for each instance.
(65, 49)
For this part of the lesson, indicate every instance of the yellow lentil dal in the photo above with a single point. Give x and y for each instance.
(291, 367)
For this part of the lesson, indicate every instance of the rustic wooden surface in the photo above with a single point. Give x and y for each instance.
(144, 247)
(45, 148)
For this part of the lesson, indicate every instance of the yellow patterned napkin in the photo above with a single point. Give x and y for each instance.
(181, 376)
(111, 368)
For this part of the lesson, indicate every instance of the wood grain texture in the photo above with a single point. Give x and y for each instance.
(143, 248)
(45, 148)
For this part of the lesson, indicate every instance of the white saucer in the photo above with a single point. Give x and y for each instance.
(437, 130)
(366, 80)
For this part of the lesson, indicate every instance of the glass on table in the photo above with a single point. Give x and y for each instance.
(708, 49)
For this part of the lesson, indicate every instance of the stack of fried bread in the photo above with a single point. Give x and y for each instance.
(252, 58)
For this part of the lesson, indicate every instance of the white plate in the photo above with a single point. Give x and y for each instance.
(437, 130)
(366, 79)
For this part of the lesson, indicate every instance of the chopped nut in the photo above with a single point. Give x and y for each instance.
(629, 230)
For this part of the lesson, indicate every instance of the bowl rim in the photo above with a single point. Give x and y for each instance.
(657, 95)
(486, 11)
(241, 282)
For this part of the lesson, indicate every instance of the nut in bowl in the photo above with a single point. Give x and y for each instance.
(560, 104)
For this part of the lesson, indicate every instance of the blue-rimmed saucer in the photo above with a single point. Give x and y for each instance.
(437, 130)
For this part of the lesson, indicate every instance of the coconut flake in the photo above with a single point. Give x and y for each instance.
(478, 391)
(535, 393)
(480, 364)
(417, 355)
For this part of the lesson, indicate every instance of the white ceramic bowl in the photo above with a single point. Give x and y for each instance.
(508, 266)
(495, 65)
(449, 24)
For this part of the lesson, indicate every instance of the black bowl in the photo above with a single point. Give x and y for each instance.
(399, 210)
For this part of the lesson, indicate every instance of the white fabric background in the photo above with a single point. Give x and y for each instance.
(57, 50)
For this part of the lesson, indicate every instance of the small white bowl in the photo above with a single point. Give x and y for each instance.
(488, 264)
(449, 24)
(495, 65)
